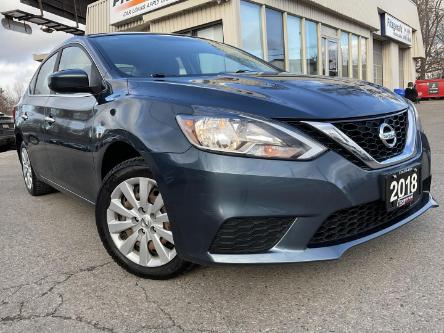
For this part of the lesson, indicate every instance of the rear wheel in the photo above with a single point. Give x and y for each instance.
(134, 225)
(34, 186)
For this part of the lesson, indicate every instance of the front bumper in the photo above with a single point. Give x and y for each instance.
(203, 190)
(281, 254)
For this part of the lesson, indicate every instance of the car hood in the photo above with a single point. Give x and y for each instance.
(278, 96)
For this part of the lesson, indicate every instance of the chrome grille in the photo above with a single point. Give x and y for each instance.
(358, 140)
(366, 134)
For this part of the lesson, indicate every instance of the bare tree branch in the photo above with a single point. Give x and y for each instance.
(431, 17)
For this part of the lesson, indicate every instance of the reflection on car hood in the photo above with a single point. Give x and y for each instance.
(289, 95)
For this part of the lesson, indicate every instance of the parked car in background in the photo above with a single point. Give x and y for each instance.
(7, 137)
(193, 151)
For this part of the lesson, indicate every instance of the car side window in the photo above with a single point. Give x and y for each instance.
(41, 86)
(74, 57)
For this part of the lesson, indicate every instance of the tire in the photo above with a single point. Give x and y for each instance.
(34, 186)
(126, 221)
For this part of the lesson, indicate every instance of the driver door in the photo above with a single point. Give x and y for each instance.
(69, 127)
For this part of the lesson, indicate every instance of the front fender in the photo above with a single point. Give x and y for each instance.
(148, 125)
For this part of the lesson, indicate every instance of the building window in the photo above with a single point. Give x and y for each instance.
(364, 58)
(251, 28)
(213, 32)
(294, 44)
(311, 41)
(275, 38)
(345, 54)
(355, 56)
(378, 70)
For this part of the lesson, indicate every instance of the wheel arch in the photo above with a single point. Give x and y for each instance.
(117, 148)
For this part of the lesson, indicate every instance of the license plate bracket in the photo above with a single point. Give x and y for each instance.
(402, 187)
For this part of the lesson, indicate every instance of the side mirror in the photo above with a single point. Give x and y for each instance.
(70, 81)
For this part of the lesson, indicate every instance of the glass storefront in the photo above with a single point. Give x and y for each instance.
(355, 56)
(251, 28)
(329, 57)
(275, 38)
(345, 54)
(342, 53)
(311, 41)
(364, 58)
(294, 44)
(378, 70)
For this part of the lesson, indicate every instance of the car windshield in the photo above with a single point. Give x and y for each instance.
(168, 55)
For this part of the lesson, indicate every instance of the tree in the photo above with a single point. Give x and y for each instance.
(431, 18)
(7, 101)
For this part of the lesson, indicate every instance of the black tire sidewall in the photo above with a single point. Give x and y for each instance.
(126, 170)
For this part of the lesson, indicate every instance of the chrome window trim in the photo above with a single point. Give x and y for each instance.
(345, 141)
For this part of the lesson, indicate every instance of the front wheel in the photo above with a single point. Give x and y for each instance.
(133, 223)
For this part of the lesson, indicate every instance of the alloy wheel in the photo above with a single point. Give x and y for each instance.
(138, 223)
(27, 169)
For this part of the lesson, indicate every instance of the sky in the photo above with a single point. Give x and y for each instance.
(16, 49)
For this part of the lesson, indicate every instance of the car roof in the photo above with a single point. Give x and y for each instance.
(126, 33)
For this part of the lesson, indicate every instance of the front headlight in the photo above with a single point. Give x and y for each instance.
(239, 134)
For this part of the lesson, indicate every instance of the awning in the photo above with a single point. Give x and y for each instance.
(74, 10)
(23, 16)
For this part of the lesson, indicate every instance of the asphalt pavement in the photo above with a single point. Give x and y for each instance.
(55, 275)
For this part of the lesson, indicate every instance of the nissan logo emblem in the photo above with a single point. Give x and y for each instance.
(387, 135)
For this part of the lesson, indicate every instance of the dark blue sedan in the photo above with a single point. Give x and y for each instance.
(194, 151)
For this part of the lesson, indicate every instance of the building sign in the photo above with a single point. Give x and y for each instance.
(433, 88)
(123, 10)
(395, 29)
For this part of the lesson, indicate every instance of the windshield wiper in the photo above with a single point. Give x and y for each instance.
(245, 71)
(157, 75)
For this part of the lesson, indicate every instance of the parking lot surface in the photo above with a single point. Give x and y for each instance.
(55, 276)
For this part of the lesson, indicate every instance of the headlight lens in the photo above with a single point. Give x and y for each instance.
(233, 134)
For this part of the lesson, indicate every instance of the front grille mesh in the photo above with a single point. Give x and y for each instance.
(249, 234)
(366, 134)
(355, 222)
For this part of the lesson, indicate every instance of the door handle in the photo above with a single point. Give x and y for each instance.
(50, 120)
(25, 116)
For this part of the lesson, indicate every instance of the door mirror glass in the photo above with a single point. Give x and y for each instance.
(69, 81)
